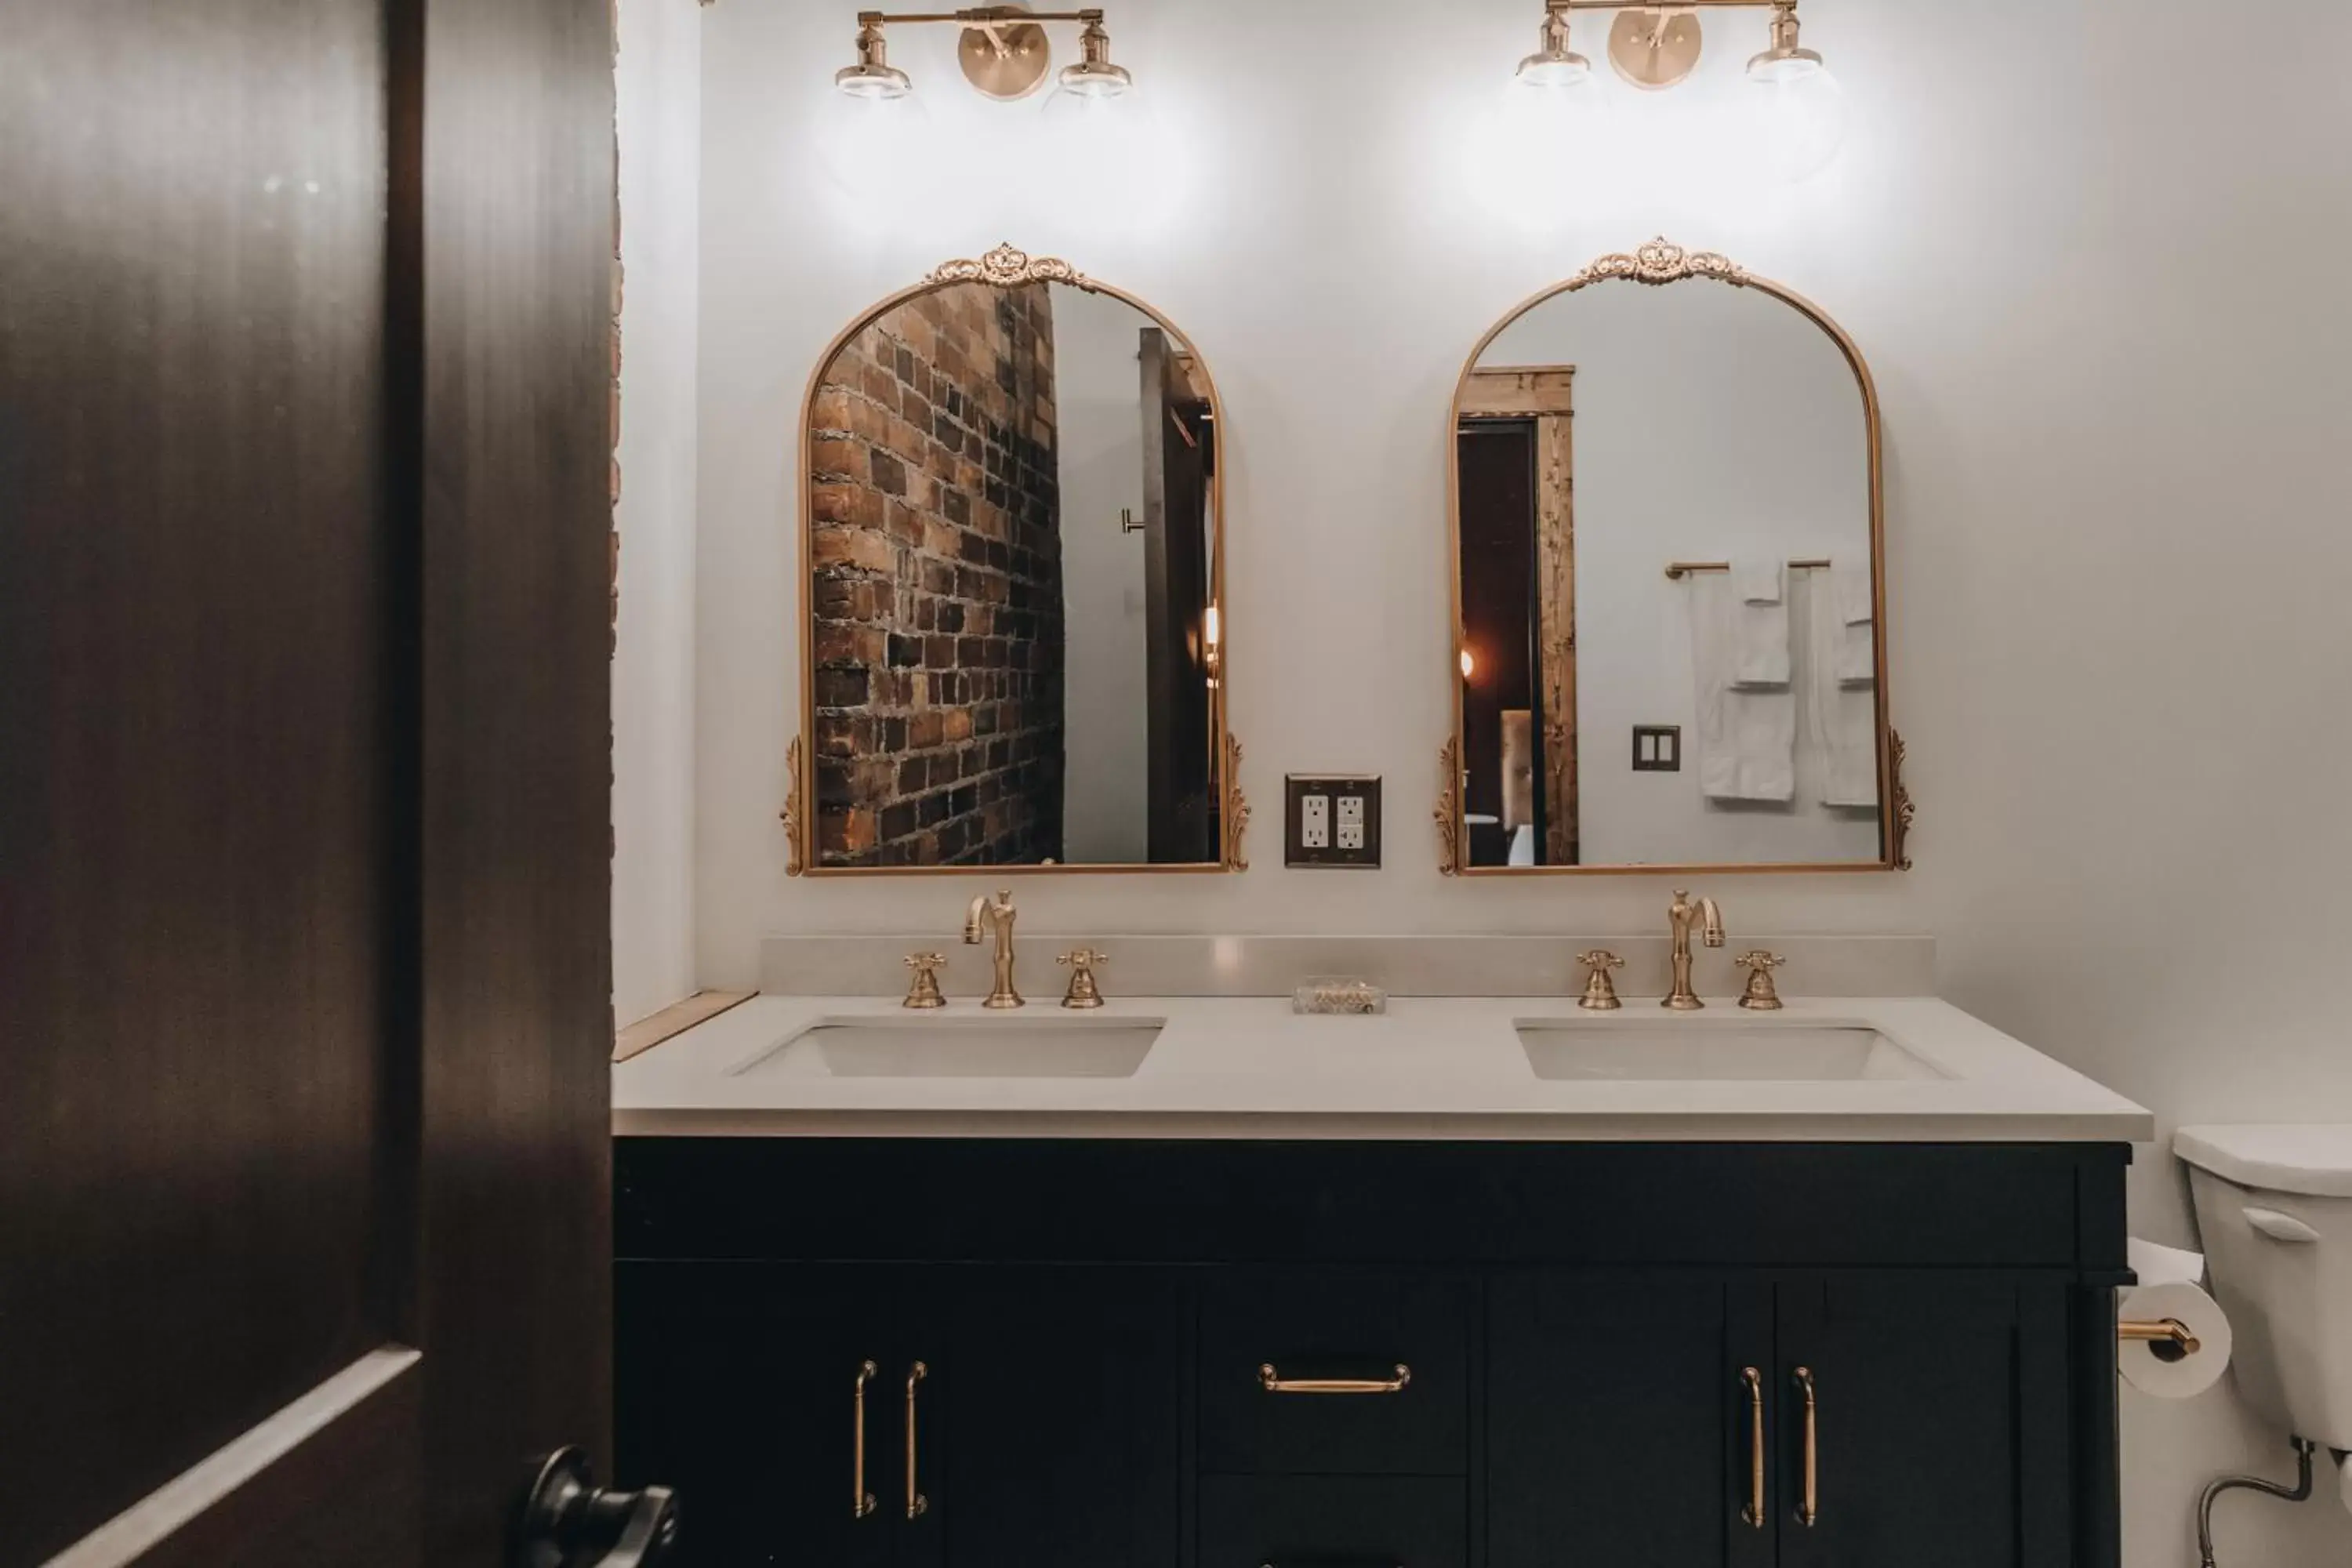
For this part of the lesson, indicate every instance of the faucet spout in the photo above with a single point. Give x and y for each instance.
(995, 914)
(1681, 915)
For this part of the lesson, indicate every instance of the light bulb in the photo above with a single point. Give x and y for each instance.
(1796, 107)
(1800, 116)
(1469, 665)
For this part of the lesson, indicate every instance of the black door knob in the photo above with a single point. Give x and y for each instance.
(569, 1522)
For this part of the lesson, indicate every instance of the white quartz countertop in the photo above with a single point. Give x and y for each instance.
(1430, 1068)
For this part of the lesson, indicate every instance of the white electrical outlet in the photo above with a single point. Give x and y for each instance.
(1332, 820)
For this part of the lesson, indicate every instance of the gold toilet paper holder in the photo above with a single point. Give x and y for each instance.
(2165, 1333)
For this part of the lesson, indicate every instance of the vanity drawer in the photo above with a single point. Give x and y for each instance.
(1368, 1373)
(1333, 1522)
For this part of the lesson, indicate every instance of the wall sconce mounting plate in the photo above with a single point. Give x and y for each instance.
(1005, 60)
(1655, 47)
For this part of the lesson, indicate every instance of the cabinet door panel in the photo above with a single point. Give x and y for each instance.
(736, 1385)
(1061, 1419)
(1332, 1522)
(1915, 1427)
(1619, 1427)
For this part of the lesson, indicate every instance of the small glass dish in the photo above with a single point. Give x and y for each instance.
(1339, 995)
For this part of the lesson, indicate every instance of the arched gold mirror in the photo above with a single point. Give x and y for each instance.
(1013, 644)
(1669, 583)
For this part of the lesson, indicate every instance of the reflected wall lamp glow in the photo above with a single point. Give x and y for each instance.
(1799, 107)
(1004, 52)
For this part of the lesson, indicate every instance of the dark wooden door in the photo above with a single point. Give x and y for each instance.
(305, 312)
(769, 1397)
(1062, 1397)
(1622, 1425)
(1925, 1451)
(1502, 612)
(1180, 745)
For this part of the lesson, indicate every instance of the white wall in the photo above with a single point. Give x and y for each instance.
(1098, 395)
(658, 84)
(2096, 259)
(1712, 423)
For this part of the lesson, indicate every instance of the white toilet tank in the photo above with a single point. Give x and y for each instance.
(2274, 1211)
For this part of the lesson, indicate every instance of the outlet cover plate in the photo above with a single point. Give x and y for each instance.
(1350, 822)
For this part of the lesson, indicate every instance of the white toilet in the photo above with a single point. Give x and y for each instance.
(2274, 1211)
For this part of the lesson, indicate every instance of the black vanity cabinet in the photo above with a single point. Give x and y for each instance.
(940, 1353)
(1938, 1424)
(1620, 1418)
(907, 1416)
(1808, 1421)
(744, 1378)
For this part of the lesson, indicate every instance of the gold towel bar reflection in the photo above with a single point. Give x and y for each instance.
(1678, 570)
(1273, 1382)
(2171, 1331)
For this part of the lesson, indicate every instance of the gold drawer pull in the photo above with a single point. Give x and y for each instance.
(1809, 1511)
(917, 1503)
(862, 1501)
(1753, 1380)
(1273, 1382)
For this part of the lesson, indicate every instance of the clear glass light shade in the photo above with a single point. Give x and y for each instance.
(872, 81)
(1798, 114)
(1093, 104)
(1554, 69)
(1547, 110)
(868, 142)
(1095, 79)
(1108, 147)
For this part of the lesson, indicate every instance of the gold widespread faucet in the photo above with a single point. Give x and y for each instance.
(998, 913)
(1681, 914)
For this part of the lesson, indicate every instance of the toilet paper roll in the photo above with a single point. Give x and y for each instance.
(2144, 1364)
(2156, 1263)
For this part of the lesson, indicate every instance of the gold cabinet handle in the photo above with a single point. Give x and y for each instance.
(917, 1503)
(1809, 1511)
(1273, 1382)
(861, 1502)
(1753, 1380)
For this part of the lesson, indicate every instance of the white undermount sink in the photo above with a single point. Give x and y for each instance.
(915, 1047)
(1728, 1050)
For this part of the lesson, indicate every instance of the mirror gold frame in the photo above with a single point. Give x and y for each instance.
(1658, 264)
(1005, 266)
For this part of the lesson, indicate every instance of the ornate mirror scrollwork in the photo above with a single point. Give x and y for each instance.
(1012, 639)
(1667, 534)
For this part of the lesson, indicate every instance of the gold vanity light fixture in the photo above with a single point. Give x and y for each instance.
(1654, 47)
(1004, 52)
(1555, 65)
